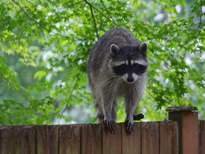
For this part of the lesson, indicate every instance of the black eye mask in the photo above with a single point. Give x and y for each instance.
(124, 68)
(139, 69)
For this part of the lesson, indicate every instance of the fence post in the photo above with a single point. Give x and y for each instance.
(188, 128)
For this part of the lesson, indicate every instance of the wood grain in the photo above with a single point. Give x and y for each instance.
(91, 139)
(69, 141)
(17, 140)
(168, 138)
(112, 142)
(7, 142)
(202, 137)
(131, 144)
(47, 139)
(150, 138)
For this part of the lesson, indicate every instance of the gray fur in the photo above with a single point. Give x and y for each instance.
(105, 85)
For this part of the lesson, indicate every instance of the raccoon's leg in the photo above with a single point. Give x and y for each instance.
(99, 107)
(100, 110)
(100, 114)
(114, 110)
(131, 102)
(109, 111)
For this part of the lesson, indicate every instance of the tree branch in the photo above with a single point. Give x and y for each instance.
(25, 12)
(107, 17)
(71, 93)
(93, 17)
(107, 11)
(200, 15)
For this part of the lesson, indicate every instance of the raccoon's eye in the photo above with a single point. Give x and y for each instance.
(139, 69)
(120, 70)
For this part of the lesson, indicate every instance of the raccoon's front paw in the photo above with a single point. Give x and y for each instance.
(109, 126)
(129, 126)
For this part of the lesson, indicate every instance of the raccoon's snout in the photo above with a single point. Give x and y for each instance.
(130, 78)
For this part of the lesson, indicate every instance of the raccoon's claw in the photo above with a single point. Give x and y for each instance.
(129, 127)
(109, 126)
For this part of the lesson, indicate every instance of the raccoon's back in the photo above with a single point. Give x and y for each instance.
(100, 53)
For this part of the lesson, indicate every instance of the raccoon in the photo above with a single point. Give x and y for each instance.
(117, 66)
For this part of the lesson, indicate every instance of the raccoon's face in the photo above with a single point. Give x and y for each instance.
(129, 62)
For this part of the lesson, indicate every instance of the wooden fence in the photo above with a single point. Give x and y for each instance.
(183, 133)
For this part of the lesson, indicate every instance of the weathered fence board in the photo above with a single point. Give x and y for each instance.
(182, 134)
(17, 140)
(188, 128)
(202, 137)
(91, 139)
(131, 144)
(26, 139)
(53, 139)
(168, 138)
(150, 138)
(46, 139)
(69, 139)
(147, 138)
(112, 142)
(7, 140)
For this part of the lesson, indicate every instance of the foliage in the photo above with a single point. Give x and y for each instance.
(44, 46)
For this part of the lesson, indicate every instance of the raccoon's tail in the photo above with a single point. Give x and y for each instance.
(138, 116)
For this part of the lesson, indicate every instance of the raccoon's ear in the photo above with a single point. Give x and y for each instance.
(143, 48)
(114, 49)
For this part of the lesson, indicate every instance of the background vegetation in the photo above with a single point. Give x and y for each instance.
(44, 47)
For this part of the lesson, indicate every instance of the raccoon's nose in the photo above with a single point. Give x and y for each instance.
(130, 79)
